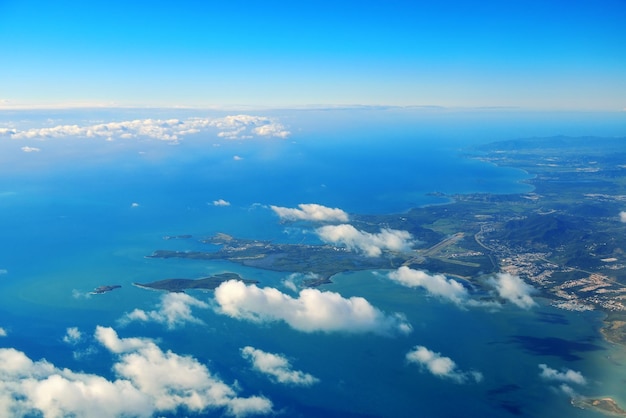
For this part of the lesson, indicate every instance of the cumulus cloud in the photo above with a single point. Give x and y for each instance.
(231, 127)
(173, 310)
(313, 310)
(277, 367)
(311, 212)
(622, 216)
(564, 376)
(513, 289)
(441, 366)
(30, 149)
(221, 202)
(134, 205)
(72, 335)
(247, 126)
(370, 244)
(148, 381)
(437, 285)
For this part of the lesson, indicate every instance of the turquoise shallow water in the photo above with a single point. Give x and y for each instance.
(68, 228)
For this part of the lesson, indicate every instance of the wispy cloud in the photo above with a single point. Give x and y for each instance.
(72, 335)
(565, 375)
(3, 332)
(370, 244)
(622, 216)
(173, 310)
(30, 149)
(313, 310)
(230, 127)
(513, 289)
(277, 367)
(440, 366)
(311, 212)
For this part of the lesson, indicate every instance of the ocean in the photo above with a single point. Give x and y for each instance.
(86, 212)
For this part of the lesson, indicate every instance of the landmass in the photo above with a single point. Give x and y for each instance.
(566, 236)
(205, 283)
(104, 289)
(605, 405)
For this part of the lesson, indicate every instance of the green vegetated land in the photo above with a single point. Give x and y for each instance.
(565, 237)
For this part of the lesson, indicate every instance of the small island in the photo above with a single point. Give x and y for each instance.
(205, 283)
(604, 405)
(104, 289)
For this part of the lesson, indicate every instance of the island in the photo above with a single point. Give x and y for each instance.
(205, 283)
(104, 289)
(605, 405)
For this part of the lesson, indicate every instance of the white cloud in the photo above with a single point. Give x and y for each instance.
(441, 366)
(3, 332)
(622, 216)
(221, 202)
(370, 244)
(134, 205)
(277, 367)
(312, 311)
(565, 376)
(30, 149)
(237, 158)
(172, 381)
(247, 126)
(72, 335)
(311, 212)
(513, 289)
(174, 310)
(148, 381)
(231, 127)
(437, 285)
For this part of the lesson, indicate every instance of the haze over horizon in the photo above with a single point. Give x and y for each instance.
(461, 54)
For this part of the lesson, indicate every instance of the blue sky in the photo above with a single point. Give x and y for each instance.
(533, 54)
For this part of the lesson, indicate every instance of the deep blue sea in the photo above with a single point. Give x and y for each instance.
(85, 212)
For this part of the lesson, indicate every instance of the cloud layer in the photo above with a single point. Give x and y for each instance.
(148, 381)
(230, 127)
(513, 289)
(372, 245)
(277, 367)
(311, 212)
(440, 366)
(313, 310)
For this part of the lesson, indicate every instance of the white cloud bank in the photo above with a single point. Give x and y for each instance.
(148, 381)
(230, 127)
(372, 245)
(311, 212)
(622, 216)
(441, 366)
(277, 367)
(513, 289)
(173, 310)
(313, 310)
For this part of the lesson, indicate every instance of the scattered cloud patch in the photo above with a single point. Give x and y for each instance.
(311, 212)
(565, 376)
(437, 285)
(134, 205)
(3, 272)
(3, 332)
(30, 149)
(440, 366)
(237, 158)
(277, 367)
(221, 202)
(313, 310)
(173, 310)
(622, 216)
(72, 335)
(372, 245)
(148, 382)
(247, 126)
(77, 294)
(513, 289)
(173, 130)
